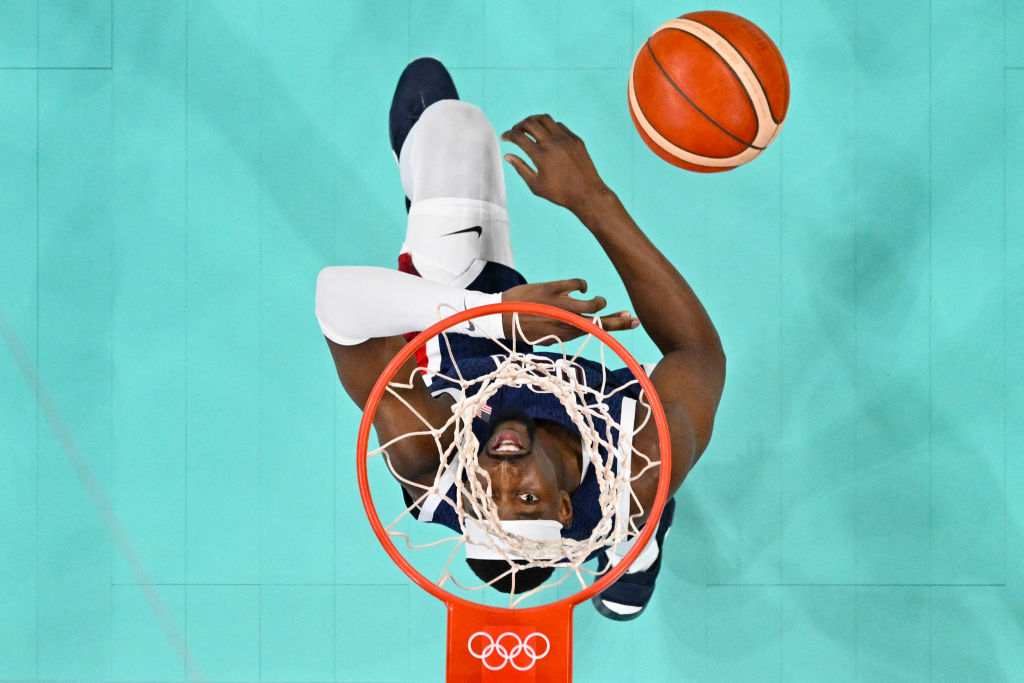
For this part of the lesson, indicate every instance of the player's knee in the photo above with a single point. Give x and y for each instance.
(465, 114)
(468, 120)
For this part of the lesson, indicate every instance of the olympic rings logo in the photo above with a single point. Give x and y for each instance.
(508, 649)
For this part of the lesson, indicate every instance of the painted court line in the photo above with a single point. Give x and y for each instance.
(98, 498)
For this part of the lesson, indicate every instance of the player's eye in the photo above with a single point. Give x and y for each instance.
(529, 498)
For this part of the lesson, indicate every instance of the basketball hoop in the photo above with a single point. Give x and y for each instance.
(488, 643)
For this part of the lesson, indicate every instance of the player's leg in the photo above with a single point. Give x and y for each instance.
(452, 151)
(452, 174)
(628, 596)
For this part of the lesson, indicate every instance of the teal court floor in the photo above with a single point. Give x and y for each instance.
(177, 483)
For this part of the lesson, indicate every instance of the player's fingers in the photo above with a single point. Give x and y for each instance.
(519, 135)
(582, 306)
(547, 123)
(617, 322)
(565, 129)
(516, 134)
(537, 126)
(564, 287)
(522, 168)
(529, 127)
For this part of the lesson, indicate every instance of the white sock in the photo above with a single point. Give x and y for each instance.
(451, 171)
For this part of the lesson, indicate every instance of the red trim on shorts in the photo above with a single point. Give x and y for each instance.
(405, 265)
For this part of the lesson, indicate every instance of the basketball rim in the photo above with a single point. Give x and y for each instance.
(471, 624)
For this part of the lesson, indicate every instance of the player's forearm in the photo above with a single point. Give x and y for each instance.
(667, 307)
(356, 303)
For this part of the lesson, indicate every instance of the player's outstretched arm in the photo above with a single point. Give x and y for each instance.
(690, 377)
(359, 366)
(363, 311)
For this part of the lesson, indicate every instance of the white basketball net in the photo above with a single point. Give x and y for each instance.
(586, 407)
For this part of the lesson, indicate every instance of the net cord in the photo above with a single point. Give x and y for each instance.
(473, 494)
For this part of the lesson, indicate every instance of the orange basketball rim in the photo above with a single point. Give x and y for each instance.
(488, 643)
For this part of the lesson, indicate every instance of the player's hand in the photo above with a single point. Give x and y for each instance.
(534, 327)
(565, 173)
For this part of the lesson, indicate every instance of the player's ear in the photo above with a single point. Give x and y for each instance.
(564, 509)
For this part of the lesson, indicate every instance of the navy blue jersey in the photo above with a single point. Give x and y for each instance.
(475, 356)
(545, 406)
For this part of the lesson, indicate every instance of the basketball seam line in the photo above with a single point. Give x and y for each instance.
(757, 75)
(681, 153)
(720, 44)
(753, 71)
(693, 104)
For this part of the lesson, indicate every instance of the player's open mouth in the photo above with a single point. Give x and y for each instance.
(505, 443)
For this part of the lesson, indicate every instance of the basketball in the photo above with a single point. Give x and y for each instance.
(708, 91)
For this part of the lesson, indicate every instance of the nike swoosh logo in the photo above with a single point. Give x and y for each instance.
(476, 228)
(465, 306)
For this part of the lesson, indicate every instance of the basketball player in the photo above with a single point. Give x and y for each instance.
(457, 255)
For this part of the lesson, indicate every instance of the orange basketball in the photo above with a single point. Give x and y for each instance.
(708, 91)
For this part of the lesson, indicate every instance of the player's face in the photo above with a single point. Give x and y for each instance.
(523, 479)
